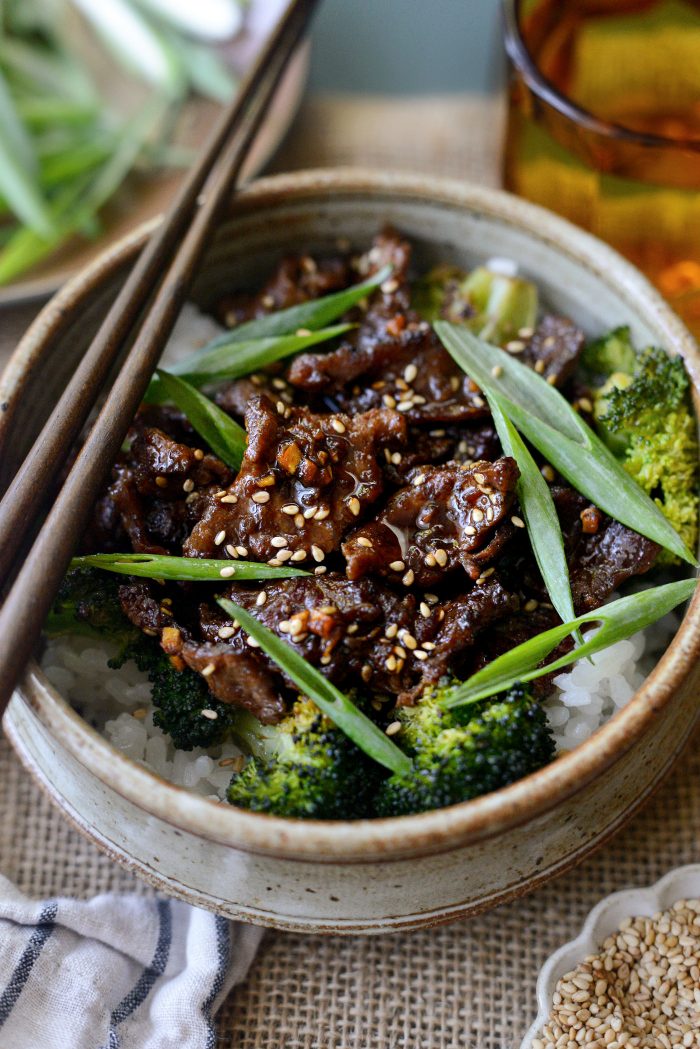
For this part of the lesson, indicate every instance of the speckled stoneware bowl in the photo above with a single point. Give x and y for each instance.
(382, 875)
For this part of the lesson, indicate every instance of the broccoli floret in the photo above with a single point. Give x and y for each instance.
(462, 753)
(493, 305)
(612, 354)
(645, 415)
(304, 768)
(88, 604)
(179, 695)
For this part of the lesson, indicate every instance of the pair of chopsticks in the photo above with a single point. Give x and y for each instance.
(157, 286)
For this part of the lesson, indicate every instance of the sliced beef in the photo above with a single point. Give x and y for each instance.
(446, 517)
(297, 279)
(305, 479)
(553, 349)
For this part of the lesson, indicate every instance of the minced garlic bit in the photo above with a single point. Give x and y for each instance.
(642, 988)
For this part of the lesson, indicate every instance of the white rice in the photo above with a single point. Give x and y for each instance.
(583, 699)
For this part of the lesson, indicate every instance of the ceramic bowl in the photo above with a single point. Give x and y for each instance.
(378, 875)
(683, 883)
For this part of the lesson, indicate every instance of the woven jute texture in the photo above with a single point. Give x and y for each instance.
(471, 984)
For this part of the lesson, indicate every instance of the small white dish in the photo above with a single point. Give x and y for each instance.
(680, 884)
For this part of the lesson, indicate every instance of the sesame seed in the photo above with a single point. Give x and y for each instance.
(441, 557)
(278, 541)
(225, 632)
(317, 553)
(188, 485)
(391, 630)
(390, 286)
(198, 454)
(251, 642)
(390, 663)
(518, 522)
(497, 371)
(515, 346)
(364, 541)
(585, 404)
(139, 713)
(428, 646)
(548, 473)
(479, 478)
(388, 400)
(284, 555)
(261, 497)
(410, 372)
(418, 480)
(478, 402)
(421, 655)
(227, 572)
(309, 512)
(337, 425)
(299, 555)
(320, 570)
(210, 714)
(470, 530)
(261, 599)
(404, 406)
(208, 670)
(397, 566)
(219, 537)
(366, 672)
(430, 560)
(291, 509)
(477, 514)
(225, 762)
(393, 728)
(274, 562)
(424, 610)
(407, 580)
(354, 505)
(396, 458)
(322, 513)
(409, 641)
(284, 626)
(530, 605)
(298, 520)
(539, 367)
(161, 482)
(229, 499)
(432, 599)
(303, 332)
(353, 628)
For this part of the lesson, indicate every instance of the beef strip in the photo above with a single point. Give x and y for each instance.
(304, 480)
(447, 516)
(553, 349)
(296, 279)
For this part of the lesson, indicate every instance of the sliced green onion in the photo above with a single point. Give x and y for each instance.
(233, 359)
(330, 700)
(619, 620)
(183, 569)
(540, 514)
(549, 422)
(225, 437)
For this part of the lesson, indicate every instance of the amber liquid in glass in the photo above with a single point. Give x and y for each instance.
(634, 64)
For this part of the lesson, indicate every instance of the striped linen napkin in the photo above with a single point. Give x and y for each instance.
(115, 972)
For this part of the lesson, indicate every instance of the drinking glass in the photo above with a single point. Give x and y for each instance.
(604, 127)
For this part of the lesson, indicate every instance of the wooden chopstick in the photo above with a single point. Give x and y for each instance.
(30, 598)
(37, 473)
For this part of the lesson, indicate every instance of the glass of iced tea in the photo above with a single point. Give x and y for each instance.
(604, 127)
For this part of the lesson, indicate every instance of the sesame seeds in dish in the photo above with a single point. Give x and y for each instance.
(374, 484)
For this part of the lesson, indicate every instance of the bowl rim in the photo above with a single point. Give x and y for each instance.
(440, 830)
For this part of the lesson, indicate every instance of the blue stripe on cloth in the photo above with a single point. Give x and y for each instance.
(223, 950)
(31, 952)
(144, 985)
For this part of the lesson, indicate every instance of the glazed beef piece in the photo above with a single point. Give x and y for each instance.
(553, 349)
(155, 495)
(447, 517)
(360, 634)
(305, 479)
(297, 278)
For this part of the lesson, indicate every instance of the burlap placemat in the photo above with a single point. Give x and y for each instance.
(468, 985)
